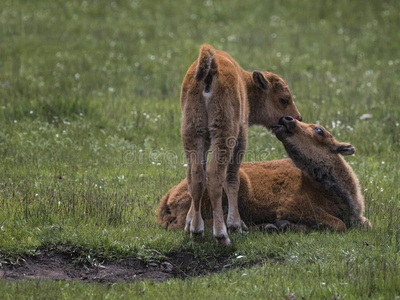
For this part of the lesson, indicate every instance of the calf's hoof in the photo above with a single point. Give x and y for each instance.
(283, 225)
(241, 226)
(221, 236)
(197, 234)
(223, 241)
(196, 228)
(270, 229)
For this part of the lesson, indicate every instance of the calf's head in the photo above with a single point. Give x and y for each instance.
(274, 99)
(309, 143)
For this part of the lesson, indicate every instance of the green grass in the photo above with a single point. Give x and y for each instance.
(90, 136)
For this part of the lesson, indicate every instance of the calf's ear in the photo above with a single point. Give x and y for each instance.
(260, 81)
(345, 149)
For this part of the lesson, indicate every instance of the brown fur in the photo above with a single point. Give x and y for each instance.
(219, 100)
(317, 189)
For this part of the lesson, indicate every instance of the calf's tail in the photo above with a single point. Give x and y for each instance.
(206, 64)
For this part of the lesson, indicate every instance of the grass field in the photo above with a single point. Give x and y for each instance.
(90, 138)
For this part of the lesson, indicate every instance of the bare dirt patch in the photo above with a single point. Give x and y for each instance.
(63, 266)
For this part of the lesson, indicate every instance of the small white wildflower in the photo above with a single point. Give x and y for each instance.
(111, 89)
(231, 38)
(365, 117)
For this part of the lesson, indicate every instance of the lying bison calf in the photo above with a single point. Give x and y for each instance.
(314, 189)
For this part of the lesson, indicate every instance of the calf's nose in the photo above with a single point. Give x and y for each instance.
(288, 118)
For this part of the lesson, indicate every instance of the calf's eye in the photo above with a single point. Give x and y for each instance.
(284, 101)
(319, 131)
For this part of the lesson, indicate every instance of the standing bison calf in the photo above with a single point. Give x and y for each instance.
(314, 189)
(219, 100)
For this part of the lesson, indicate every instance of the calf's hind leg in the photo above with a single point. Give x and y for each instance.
(216, 176)
(232, 182)
(196, 155)
(309, 220)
